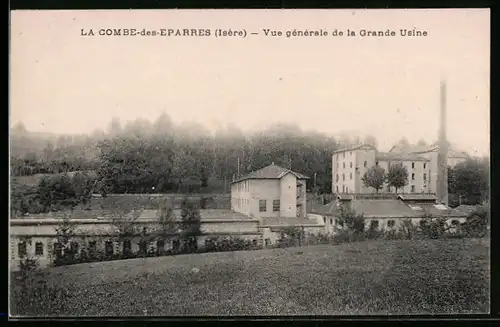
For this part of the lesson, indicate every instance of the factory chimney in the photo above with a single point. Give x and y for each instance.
(442, 173)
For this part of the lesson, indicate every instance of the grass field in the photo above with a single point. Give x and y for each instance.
(375, 277)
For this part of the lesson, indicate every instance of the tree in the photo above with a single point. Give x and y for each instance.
(371, 140)
(422, 142)
(57, 192)
(191, 224)
(374, 177)
(397, 176)
(407, 228)
(470, 180)
(169, 226)
(115, 126)
(65, 248)
(351, 222)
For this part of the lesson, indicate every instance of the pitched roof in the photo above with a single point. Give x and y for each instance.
(466, 208)
(417, 197)
(396, 156)
(383, 208)
(441, 211)
(329, 209)
(270, 172)
(357, 147)
(289, 222)
(415, 149)
(206, 214)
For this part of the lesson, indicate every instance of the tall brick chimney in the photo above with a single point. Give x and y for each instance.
(442, 173)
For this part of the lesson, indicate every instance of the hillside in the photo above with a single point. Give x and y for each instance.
(379, 277)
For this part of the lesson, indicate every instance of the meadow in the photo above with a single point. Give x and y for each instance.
(447, 276)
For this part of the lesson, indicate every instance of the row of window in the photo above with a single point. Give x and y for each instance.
(390, 223)
(243, 186)
(263, 205)
(343, 155)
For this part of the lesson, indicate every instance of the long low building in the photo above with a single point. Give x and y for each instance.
(36, 236)
(386, 212)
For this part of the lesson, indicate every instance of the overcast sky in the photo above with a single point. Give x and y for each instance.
(389, 87)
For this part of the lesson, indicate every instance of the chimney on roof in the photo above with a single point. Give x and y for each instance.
(442, 173)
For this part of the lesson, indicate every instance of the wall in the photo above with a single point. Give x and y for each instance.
(264, 189)
(344, 164)
(288, 196)
(418, 180)
(102, 231)
(240, 197)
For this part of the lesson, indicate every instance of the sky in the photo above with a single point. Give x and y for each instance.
(63, 82)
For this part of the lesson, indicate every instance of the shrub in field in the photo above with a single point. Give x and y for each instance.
(476, 224)
(350, 226)
(433, 228)
(407, 229)
(31, 295)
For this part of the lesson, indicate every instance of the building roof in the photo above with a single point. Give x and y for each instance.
(289, 222)
(270, 172)
(396, 156)
(206, 214)
(383, 208)
(357, 147)
(344, 197)
(417, 197)
(414, 149)
(329, 209)
(440, 210)
(467, 208)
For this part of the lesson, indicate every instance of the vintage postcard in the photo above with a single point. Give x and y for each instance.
(249, 163)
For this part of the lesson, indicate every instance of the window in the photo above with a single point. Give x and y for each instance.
(38, 248)
(350, 175)
(57, 249)
(267, 241)
(343, 188)
(413, 189)
(343, 154)
(262, 205)
(376, 163)
(350, 153)
(74, 246)
(412, 176)
(276, 205)
(337, 178)
(365, 164)
(127, 246)
(343, 177)
(343, 165)
(337, 188)
(425, 177)
(160, 246)
(350, 164)
(425, 165)
(108, 249)
(412, 165)
(324, 220)
(21, 249)
(390, 223)
(92, 245)
(374, 224)
(331, 221)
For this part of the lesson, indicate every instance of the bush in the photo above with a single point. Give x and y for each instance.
(31, 295)
(477, 222)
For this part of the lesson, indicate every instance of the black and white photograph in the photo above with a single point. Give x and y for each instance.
(249, 163)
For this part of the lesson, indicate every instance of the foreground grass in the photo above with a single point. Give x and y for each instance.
(379, 277)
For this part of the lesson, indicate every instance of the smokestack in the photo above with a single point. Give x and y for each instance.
(442, 173)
